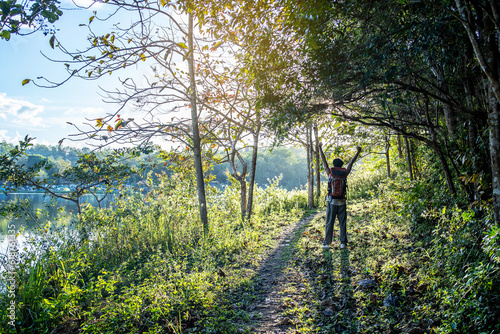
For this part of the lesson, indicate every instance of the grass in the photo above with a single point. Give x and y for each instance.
(395, 276)
(144, 264)
(377, 252)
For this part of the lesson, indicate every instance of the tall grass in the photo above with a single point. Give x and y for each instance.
(364, 183)
(144, 265)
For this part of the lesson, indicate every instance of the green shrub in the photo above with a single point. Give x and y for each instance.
(467, 279)
(143, 264)
(364, 181)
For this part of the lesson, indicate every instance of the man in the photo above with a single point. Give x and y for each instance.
(336, 206)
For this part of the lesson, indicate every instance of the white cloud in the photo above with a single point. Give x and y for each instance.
(9, 139)
(81, 116)
(86, 112)
(84, 3)
(20, 113)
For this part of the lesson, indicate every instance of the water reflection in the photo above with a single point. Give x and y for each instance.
(46, 209)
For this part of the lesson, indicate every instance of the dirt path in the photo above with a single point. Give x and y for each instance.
(278, 287)
(375, 285)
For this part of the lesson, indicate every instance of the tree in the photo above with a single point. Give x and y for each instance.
(303, 135)
(98, 176)
(94, 175)
(234, 120)
(317, 162)
(368, 87)
(231, 137)
(408, 69)
(160, 38)
(195, 130)
(310, 172)
(481, 21)
(31, 14)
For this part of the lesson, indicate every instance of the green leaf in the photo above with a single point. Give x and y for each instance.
(182, 45)
(91, 19)
(51, 41)
(313, 44)
(5, 35)
(26, 81)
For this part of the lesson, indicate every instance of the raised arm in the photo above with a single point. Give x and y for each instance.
(349, 166)
(323, 158)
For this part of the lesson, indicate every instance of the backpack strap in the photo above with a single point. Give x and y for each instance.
(338, 171)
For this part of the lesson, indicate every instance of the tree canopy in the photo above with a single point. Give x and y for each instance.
(416, 68)
(32, 14)
(426, 71)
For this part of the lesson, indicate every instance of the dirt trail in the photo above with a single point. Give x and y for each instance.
(277, 287)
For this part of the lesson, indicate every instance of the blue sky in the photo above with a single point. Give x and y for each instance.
(41, 112)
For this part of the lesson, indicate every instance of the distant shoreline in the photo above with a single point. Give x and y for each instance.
(41, 193)
(33, 192)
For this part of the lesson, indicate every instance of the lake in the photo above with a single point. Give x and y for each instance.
(47, 208)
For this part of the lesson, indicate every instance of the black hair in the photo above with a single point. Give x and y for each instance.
(337, 162)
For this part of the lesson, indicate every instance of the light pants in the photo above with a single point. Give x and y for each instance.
(333, 211)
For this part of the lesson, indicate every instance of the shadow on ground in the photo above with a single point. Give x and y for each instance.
(267, 287)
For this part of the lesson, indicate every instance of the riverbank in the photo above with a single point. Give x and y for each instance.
(149, 267)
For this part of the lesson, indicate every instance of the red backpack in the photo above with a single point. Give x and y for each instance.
(337, 183)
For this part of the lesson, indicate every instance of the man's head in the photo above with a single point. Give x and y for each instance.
(337, 162)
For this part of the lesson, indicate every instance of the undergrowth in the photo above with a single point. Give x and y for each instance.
(417, 262)
(144, 265)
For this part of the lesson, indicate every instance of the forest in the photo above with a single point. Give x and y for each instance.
(286, 161)
(217, 241)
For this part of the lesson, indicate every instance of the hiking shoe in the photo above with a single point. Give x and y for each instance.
(325, 246)
(342, 246)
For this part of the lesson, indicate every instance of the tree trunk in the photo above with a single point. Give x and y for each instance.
(446, 168)
(400, 149)
(450, 116)
(252, 171)
(318, 167)
(196, 132)
(243, 194)
(408, 158)
(242, 179)
(451, 119)
(387, 158)
(494, 134)
(472, 134)
(437, 147)
(310, 181)
(414, 165)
